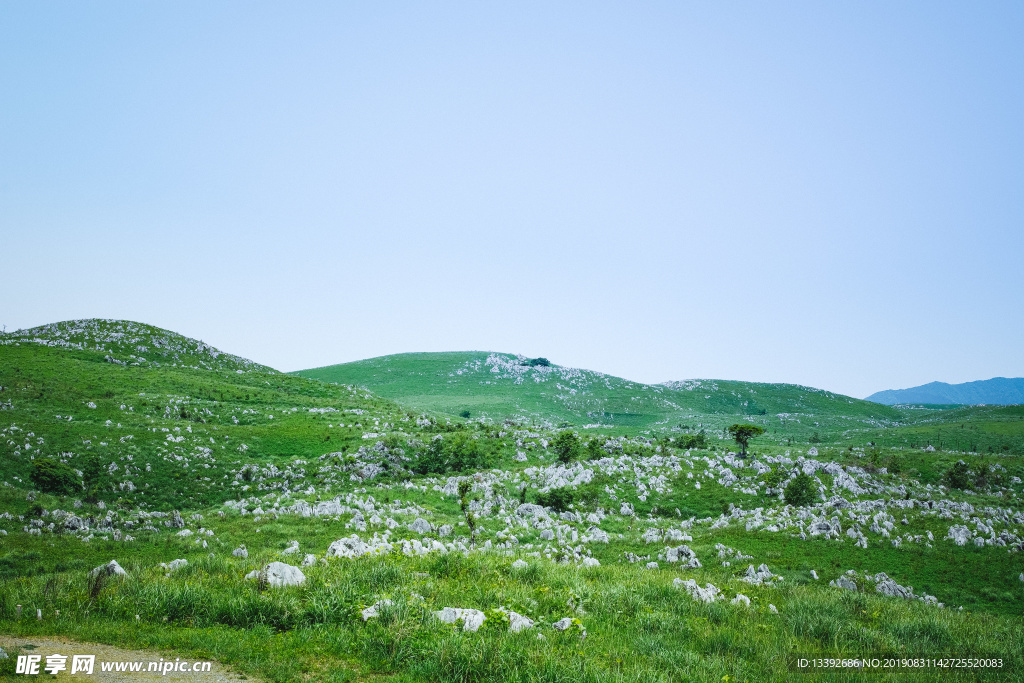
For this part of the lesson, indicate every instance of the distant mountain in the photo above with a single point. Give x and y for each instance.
(995, 391)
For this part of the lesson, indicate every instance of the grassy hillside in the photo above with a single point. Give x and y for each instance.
(199, 454)
(500, 386)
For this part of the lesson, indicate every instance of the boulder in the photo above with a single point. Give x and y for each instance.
(517, 622)
(176, 522)
(174, 564)
(887, 586)
(421, 526)
(590, 562)
(240, 551)
(291, 549)
(651, 565)
(280, 575)
(740, 599)
(519, 564)
(707, 594)
(562, 624)
(472, 619)
(111, 568)
(309, 560)
(350, 547)
(374, 609)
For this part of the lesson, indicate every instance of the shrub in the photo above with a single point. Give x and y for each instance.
(53, 476)
(559, 499)
(567, 446)
(464, 414)
(457, 453)
(958, 476)
(800, 491)
(698, 440)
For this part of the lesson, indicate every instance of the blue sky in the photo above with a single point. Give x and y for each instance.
(829, 194)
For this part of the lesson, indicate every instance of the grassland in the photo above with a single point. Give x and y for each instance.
(244, 452)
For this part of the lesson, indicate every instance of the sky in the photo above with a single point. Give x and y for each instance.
(828, 194)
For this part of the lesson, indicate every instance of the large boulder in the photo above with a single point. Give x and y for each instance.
(472, 619)
(350, 547)
(682, 554)
(111, 568)
(420, 526)
(960, 534)
(707, 594)
(176, 522)
(279, 574)
(173, 565)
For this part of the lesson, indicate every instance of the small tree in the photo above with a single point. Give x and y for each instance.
(800, 490)
(958, 476)
(743, 434)
(567, 446)
(53, 476)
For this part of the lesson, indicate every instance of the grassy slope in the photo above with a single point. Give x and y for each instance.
(639, 626)
(458, 381)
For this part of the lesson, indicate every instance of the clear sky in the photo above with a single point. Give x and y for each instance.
(829, 194)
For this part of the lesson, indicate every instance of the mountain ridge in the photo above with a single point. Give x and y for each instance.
(994, 391)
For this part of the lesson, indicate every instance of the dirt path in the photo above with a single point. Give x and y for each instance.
(218, 673)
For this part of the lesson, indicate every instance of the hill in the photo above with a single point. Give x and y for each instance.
(995, 391)
(501, 386)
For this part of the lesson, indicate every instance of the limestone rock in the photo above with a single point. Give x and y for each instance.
(472, 619)
(111, 568)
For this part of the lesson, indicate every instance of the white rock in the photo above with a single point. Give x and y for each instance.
(174, 564)
(280, 574)
(590, 562)
(111, 568)
(814, 575)
(240, 551)
(772, 609)
(519, 564)
(517, 622)
(708, 594)
(309, 560)
(374, 609)
(421, 526)
(740, 599)
(562, 624)
(651, 565)
(472, 619)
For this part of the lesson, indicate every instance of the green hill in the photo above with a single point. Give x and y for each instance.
(501, 386)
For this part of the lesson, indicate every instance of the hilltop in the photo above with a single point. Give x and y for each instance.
(995, 391)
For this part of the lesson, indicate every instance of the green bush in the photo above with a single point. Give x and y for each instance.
(559, 499)
(457, 453)
(567, 446)
(695, 441)
(800, 491)
(958, 476)
(53, 476)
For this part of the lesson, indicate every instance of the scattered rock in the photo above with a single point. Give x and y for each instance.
(707, 594)
(112, 568)
(374, 609)
(279, 575)
(472, 619)
(421, 526)
(240, 551)
(519, 564)
(740, 599)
